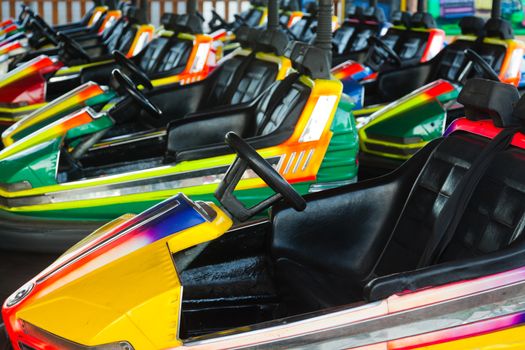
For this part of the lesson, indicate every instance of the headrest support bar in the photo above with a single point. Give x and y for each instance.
(191, 7)
(273, 15)
(323, 39)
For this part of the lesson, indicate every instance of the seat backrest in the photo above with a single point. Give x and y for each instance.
(176, 57)
(152, 52)
(255, 77)
(441, 175)
(373, 19)
(253, 17)
(452, 59)
(495, 215)
(284, 113)
(435, 184)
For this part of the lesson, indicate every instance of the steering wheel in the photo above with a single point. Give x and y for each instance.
(38, 23)
(135, 93)
(476, 59)
(73, 47)
(25, 15)
(136, 73)
(375, 41)
(248, 157)
(239, 19)
(217, 18)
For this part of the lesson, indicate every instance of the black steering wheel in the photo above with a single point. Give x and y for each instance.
(137, 95)
(483, 65)
(239, 19)
(217, 18)
(40, 26)
(392, 55)
(72, 47)
(25, 15)
(248, 157)
(136, 73)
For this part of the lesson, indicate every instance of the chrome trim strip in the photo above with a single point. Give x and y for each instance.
(150, 184)
(289, 164)
(341, 330)
(130, 138)
(307, 161)
(298, 161)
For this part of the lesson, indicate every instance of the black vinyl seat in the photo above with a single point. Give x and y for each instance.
(304, 29)
(405, 38)
(237, 80)
(350, 41)
(393, 83)
(345, 247)
(267, 121)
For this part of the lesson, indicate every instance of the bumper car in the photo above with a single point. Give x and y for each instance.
(25, 24)
(33, 84)
(177, 55)
(303, 27)
(411, 40)
(301, 123)
(38, 37)
(351, 39)
(438, 265)
(424, 95)
(290, 13)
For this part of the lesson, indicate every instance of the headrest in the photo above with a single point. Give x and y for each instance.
(130, 12)
(290, 5)
(423, 20)
(274, 41)
(401, 18)
(311, 8)
(374, 14)
(182, 23)
(498, 28)
(485, 98)
(247, 36)
(472, 25)
(309, 60)
(259, 3)
(355, 12)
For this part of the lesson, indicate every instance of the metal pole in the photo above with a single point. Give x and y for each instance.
(191, 7)
(496, 9)
(323, 39)
(273, 15)
(420, 5)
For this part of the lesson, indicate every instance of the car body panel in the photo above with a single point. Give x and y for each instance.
(299, 159)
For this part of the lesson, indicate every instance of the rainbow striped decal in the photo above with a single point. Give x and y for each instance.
(418, 117)
(128, 240)
(42, 64)
(197, 66)
(350, 70)
(162, 220)
(50, 132)
(9, 47)
(79, 97)
(26, 84)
